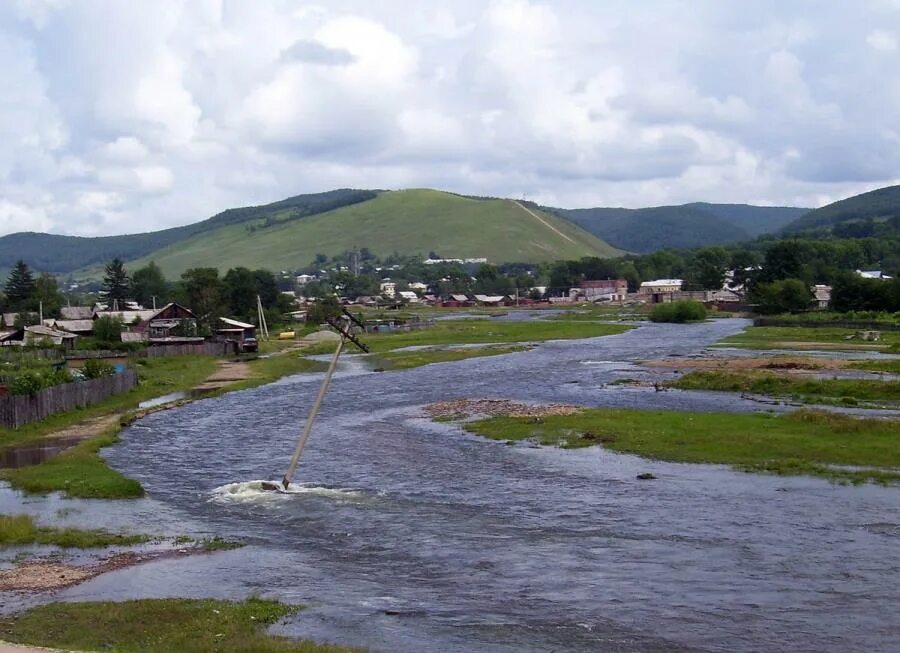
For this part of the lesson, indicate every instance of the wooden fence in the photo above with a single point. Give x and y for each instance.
(17, 410)
(198, 349)
(861, 325)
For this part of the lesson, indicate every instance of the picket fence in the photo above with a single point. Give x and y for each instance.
(18, 410)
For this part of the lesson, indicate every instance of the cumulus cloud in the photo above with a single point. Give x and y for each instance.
(123, 117)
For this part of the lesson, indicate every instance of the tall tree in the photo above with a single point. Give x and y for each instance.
(116, 284)
(202, 291)
(46, 296)
(148, 282)
(19, 285)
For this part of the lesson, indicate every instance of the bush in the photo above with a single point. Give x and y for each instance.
(684, 310)
(96, 369)
(108, 329)
(33, 381)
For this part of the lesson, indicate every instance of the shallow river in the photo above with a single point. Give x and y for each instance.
(414, 536)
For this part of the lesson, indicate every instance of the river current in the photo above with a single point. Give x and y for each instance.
(410, 535)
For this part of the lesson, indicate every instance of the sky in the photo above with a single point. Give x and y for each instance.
(122, 117)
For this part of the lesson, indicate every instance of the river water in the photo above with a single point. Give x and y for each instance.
(411, 536)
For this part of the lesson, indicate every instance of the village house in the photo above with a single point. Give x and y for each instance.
(872, 274)
(83, 327)
(821, 296)
(76, 313)
(408, 295)
(601, 290)
(660, 290)
(388, 288)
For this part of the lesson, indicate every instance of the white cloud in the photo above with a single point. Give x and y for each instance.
(174, 110)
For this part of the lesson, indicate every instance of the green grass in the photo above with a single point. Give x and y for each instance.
(807, 338)
(404, 360)
(479, 331)
(19, 530)
(78, 472)
(158, 376)
(805, 442)
(266, 370)
(409, 222)
(159, 625)
(889, 366)
(838, 391)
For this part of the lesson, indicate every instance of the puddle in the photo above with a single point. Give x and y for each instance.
(33, 454)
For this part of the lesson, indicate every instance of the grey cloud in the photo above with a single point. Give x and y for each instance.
(313, 52)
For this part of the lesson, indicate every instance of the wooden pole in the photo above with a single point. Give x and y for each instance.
(307, 429)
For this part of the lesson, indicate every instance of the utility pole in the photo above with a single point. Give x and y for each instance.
(343, 328)
(41, 314)
(153, 297)
(263, 327)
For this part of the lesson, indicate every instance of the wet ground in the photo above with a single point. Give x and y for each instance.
(409, 535)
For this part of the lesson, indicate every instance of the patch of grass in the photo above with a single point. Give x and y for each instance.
(267, 370)
(158, 376)
(19, 530)
(767, 383)
(889, 366)
(219, 544)
(807, 338)
(478, 331)
(159, 625)
(404, 360)
(78, 472)
(804, 442)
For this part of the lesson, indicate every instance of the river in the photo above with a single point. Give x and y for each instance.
(411, 535)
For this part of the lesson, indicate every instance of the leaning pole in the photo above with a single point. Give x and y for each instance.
(343, 328)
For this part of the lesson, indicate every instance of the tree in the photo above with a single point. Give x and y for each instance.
(784, 260)
(19, 285)
(46, 295)
(202, 291)
(108, 329)
(323, 309)
(116, 284)
(707, 270)
(239, 285)
(148, 282)
(782, 296)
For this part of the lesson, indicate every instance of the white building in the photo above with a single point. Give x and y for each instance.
(660, 286)
(872, 274)
(388, 288)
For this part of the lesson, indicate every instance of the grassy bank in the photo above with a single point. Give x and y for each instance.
(159, 625)
(267, 370)
(20, 530)
(889, 366)
(78, 472)
(833, 391)
(827, 338)
(404, 360)
(483, 331)
(805, 442)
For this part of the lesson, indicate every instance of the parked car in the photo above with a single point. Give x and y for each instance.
(249, 345)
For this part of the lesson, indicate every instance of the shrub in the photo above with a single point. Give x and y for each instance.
(96, 369)
(685, 310)
(108, 329)
(33, 381)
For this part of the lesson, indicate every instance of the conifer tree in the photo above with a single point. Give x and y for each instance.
(116, 284)
(19, 285)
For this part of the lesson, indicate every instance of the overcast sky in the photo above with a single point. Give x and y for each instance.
(123, 116)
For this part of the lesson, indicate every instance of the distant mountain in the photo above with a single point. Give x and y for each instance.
(858, 216)
(680, 227)
(62, 254)
(755, 220)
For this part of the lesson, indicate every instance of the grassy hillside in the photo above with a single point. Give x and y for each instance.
(880, 206)
(61, 254)
(408, 222)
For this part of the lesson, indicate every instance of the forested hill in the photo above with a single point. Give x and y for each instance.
(680, 227)
(861, 216)
(62, 254)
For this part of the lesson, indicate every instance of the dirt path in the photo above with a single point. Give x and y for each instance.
(543, 222)
(6, 647)
(229, 372)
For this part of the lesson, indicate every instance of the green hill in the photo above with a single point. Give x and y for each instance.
(408, 222)
(755, 220)
(862, 215)
(61, 254)
(661, 227)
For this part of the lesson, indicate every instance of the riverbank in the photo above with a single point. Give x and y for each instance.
(835, 447)
(183, 625)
